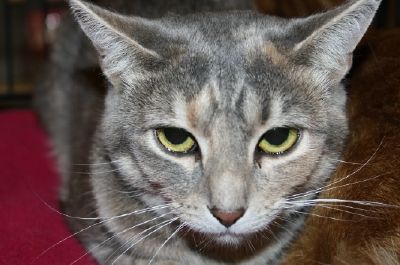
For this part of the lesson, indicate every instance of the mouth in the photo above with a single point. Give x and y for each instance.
(228, 246)
(226, 238)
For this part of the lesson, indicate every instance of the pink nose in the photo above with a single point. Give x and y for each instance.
(227, 218)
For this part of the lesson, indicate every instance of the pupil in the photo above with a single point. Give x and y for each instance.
(277, 136)
(176, 136)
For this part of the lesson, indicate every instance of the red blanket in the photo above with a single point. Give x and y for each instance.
(28, 227)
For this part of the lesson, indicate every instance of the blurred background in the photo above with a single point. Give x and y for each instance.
(28, 27)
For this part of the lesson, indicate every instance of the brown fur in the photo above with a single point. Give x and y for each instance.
(272, 52)
(374, 111)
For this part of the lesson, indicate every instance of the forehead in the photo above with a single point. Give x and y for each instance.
(227, 68)
(226, 37)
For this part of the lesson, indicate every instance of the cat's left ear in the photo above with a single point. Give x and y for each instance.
(334, 36)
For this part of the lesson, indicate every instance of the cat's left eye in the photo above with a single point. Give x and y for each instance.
(278, 140)
(176, 140)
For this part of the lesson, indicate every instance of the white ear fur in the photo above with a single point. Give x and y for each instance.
(331, 45)
(118, 51)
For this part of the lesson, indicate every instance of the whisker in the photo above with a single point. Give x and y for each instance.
(344, 206)
(132, 239)
(96, 172)
(321, 216)
(357, 182)
(251, 246)
(345, 162)
(264, 235)
(102, 220)
(327, 206)
(204, 244)
(157, 207)
(131, 193)
(165, 242)
(117, 234)
(95, 164)
(346, 211)
(365, 203)
(342, 261)
(163, 224)
(315, 191)
(282, 226)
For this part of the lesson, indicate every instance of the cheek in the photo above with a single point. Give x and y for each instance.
(280, 175)
(173, 175)
(294, 173)
(278, 182)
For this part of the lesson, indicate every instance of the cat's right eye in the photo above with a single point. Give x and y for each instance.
(176, 140)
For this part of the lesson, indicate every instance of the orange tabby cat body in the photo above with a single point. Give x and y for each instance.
(352, 233)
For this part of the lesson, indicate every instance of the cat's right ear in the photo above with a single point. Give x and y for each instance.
(111, 34)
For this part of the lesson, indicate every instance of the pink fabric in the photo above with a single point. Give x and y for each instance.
(27, 176)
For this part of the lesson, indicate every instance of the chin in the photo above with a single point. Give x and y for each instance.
(228, 239)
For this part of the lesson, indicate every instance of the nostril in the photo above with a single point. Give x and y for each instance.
(227, 218)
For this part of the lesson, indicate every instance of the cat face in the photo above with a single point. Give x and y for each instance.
(223, 167)
(223, 118)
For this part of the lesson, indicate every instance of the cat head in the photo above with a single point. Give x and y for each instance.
(227, 118)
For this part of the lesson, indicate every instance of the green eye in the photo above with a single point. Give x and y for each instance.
(176, 140)
(278, 140)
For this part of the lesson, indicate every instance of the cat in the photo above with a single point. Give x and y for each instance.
(206, 130)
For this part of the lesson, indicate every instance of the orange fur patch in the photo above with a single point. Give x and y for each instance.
(274, 55)
(368, 235)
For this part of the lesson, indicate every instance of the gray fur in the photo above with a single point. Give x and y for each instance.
(226, 78)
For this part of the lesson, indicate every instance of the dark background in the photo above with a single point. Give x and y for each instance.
(27, 30)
